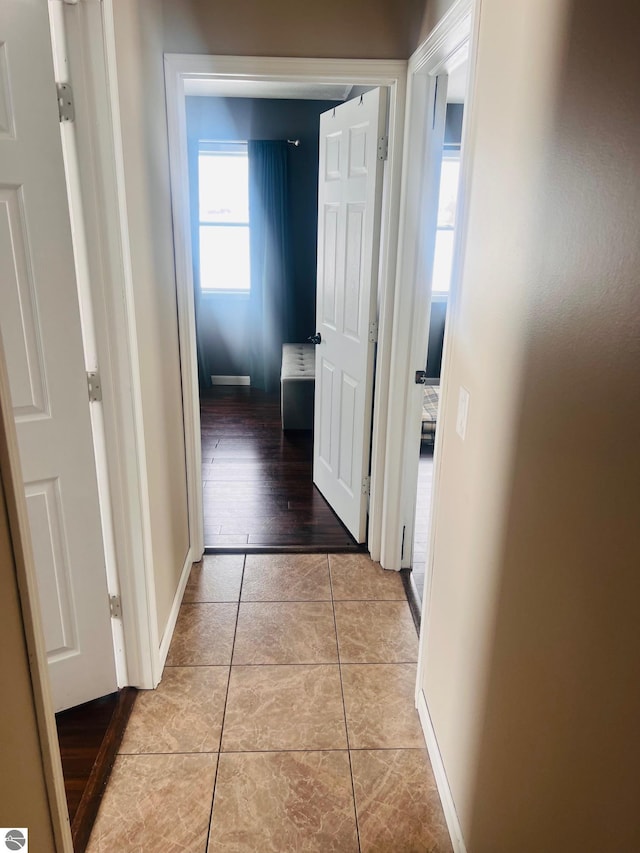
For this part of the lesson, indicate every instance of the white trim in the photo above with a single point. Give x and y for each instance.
(71, 132)
(180, 67)
(91, 45)
(16, 507)
(443, 50)
(175, 610)
(440, 775)
(218, 379)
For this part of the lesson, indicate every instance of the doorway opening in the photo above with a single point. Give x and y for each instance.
(227, 396)
(257, 453)
(449, 156)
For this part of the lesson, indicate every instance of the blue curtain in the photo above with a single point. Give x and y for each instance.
(204, 368)
(271, 284)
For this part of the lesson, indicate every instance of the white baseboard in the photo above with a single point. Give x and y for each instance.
(450, 814)
(175, 609)
(231, 380)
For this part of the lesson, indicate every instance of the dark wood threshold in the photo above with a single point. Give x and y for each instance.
(412, 598)
(285, 549)
(87, 810)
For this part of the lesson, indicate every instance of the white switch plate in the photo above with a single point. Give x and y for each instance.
(463, 411)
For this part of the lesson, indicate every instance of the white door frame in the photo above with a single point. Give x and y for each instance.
(98, 191)
(180, 67)
(443, 50)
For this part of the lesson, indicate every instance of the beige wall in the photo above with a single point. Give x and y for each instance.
(141, 85)
(358, 29)
(23, 794)
(532, 642)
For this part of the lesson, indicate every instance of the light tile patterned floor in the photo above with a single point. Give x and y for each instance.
(284, 720)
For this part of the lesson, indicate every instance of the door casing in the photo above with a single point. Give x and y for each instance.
(392, 74)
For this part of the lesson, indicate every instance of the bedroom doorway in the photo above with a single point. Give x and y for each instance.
(256, 475)
(449, 175)
(266, 75)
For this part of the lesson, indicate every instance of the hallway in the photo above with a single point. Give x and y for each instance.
(285, 719)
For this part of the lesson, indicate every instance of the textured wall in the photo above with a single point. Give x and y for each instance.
(532, 633)
(141, 81)
(360, 29)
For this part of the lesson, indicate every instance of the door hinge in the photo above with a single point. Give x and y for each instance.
(66, 109)
(383, 148)
(115, 607)
(373, 332)
(94, 385)
(366, 486)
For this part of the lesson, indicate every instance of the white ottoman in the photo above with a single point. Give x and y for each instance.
(297, 382)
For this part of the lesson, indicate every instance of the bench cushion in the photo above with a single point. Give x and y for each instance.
(297, 381)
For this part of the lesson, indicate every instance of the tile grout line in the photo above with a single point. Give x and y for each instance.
(344, 707)
(224, 711)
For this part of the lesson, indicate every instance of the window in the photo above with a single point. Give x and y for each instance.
(223, 186)
(447, 200)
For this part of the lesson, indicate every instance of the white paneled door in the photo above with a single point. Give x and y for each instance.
(352, 151)
(40, 326)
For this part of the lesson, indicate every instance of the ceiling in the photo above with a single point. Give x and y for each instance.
(217, 88)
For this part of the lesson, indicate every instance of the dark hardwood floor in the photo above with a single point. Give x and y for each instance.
(257, 479)
(89, 736)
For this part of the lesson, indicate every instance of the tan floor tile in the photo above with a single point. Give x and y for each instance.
(285, 632)
(203, 635)
(375, 632)
(390, 690)
(284, 801)
(183, 714)
(397, 802)
(215, 578)
(156, 802)
(286, 577)
(284, 707)
(357, 577)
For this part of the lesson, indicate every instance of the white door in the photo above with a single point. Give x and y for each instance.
(349, 205)
(40, 326)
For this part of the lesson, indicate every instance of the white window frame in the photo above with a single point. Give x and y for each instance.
(216, 148)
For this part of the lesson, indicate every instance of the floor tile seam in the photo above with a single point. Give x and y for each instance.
(294, 663)
(224, 712)
(197, 665)
(299, 663)
(181, 752)
(302, 600)
(273, 751)
(344, 711)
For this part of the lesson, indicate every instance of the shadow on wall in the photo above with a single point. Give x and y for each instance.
(559, 752)
(360, 29)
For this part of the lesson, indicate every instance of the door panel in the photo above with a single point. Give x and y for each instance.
(40, 325)
(349, 204)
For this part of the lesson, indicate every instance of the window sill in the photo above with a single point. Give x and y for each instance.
(225, 294)
(439, 296)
